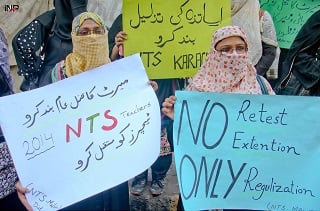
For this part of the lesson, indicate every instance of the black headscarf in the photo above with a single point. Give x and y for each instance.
(66, 10)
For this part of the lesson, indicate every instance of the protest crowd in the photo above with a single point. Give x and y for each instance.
(246, 52)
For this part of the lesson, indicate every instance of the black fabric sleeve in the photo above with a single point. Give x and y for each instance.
(267, 58)
(66, 11)
(113, 31)
(78, 7)
(307, 69)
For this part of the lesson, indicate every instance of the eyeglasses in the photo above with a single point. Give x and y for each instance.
(88, 32)
(229, 50)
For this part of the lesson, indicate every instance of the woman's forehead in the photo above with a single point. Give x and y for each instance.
(80, 19)
(226, 32)
(234, 40)
(89, 23)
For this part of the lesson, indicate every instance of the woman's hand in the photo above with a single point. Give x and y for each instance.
(154, 85)
(118, 40)
(22, 195)
(168, 105)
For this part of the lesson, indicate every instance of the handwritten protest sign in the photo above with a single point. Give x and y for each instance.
(247, 151)
(172, 37)
(289, 16)
(83, 135)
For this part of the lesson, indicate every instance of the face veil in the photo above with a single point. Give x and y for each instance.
(89, 51)
(231, 73)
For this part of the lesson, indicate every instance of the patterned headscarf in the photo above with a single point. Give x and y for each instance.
(231, 73)
(89, 51)
(4, 57)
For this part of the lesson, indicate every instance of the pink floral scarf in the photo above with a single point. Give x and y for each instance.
(231, 73)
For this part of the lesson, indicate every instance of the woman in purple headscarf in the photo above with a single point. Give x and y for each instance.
(10, 188)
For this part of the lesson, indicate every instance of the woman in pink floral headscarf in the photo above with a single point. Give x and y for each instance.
(227, 68)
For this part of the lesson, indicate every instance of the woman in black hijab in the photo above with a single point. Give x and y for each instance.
(301, 66)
